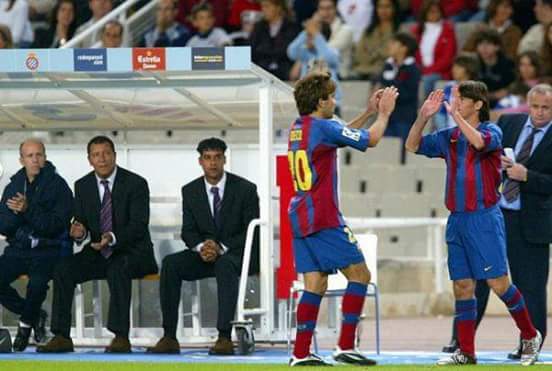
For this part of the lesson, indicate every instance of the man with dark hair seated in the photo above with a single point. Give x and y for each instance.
(34, 216)
(216, 211)
(111, 218)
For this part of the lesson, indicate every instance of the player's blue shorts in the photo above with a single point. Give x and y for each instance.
(326, 251)
(476, 244)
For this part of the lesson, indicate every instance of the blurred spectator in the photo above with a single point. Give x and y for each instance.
(341, 37)
(357, 14)
(220, 11)
(249, 18)
(303, 10)
(271, 37)
(528, 76)
(524, 15)
(546, 51)
(167, 32)
(40, 10)
(464, 68)
(401, 71)
(455, 10)
(371, 50)
(437, 45)
(112, 34)
(207, 35)
(497, 71)
(15, 15)
(99, 9)
(481, 12)
(311, 47)
(499, 13)
(235, 18)
(532, 40)
(61, 28)
(5, 37)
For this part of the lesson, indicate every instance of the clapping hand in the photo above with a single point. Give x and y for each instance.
(18, 203)
(453, 108)
(387, 100)
(432, 104)
(104, 242)
(373, 102)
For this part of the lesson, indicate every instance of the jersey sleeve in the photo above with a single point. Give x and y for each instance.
(342, 136)
(434, 144)
(492, 136)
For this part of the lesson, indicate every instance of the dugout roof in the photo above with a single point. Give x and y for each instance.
(136, 88)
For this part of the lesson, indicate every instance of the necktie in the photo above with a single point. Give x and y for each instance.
(511, 187)
(106, 217)
(217, 203)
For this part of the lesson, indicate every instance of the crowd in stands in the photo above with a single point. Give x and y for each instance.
(508, 42)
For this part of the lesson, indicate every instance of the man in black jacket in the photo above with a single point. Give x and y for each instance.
(216, 211)
(34, 216)
(111, 219)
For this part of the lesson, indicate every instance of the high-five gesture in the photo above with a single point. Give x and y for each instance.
(387, 101)
(432, 104)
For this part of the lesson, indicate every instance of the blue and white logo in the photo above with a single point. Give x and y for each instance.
(90, 59)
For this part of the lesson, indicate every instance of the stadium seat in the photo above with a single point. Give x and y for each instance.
(337, 283)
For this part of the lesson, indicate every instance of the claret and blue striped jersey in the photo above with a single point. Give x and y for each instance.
(312, 157)
(473, 176)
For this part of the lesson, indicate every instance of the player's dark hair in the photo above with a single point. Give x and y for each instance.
(310, 89)
(100, 139)
(215, 144)
(476, 91)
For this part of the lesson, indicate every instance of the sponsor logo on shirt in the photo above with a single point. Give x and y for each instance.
(351, 134)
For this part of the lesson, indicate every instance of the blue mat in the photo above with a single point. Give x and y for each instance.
(262, 355)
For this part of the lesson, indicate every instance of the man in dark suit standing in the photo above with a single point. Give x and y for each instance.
(217, 209)
(111, 219)
(526, 200)
(526, 203)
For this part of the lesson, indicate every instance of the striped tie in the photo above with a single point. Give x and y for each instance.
(217, 203)
(511, 187)
(106, 217)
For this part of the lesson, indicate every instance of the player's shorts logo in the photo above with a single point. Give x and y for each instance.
(32, 62)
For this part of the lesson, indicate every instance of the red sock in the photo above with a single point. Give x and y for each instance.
(353, 301)
(307, 313)
(518, 310)
(466, 314)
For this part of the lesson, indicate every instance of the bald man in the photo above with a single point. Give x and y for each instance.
(35, 212)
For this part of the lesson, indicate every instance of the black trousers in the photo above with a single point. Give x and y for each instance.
(118, 270)
(39, 270)
(188, 266)
(529, 266)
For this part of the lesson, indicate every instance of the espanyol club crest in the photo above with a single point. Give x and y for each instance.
(32, 62)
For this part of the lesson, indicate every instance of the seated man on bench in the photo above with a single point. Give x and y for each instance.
(34, 216)
(111, 219)
(216, 211)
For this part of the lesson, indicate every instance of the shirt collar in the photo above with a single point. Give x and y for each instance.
(221, 184)
(529, 124)
(110, 179)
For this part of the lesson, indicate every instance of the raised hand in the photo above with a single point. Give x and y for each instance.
(387, 101)
(432, 104)
(373, 102)
(454, 106)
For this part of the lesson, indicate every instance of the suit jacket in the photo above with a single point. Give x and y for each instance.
(130, 199)
(240, 205)
(536, 193)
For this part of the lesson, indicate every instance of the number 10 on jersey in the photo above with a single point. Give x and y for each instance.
(300, 170)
